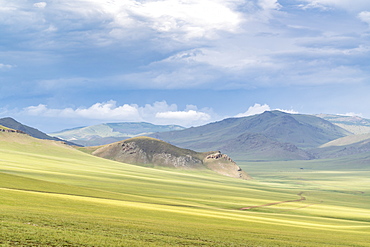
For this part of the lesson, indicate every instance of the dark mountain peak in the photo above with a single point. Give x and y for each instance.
(10, 121)
(13, 124)
(270, 113)
(275, 113)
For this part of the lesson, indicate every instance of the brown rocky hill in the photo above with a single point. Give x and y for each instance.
(152, 152)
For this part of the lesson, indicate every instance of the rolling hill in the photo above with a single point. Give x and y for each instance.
(111, 132)
(276, 132)
(155, 153)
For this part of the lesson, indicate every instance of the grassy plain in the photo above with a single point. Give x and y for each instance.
(53, 195)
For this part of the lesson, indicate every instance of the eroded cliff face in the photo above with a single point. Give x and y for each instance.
(224, 165)
(152, 152)
(183, 162)
(123, 152)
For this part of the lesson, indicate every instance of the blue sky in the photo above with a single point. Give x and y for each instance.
(69, 63)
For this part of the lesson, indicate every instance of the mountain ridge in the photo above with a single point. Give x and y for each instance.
(289, 135)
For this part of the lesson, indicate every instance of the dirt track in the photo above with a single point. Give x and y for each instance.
(275, 203)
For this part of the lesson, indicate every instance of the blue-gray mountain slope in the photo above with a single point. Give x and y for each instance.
(272, 135)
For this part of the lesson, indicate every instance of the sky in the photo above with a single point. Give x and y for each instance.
(66, 64)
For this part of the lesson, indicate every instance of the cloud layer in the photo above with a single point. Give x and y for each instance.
(192, 44)
(223, 38)
(58, 55)
(159, 113)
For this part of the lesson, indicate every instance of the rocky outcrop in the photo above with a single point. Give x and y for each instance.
(219, 155)
(223, 164)
(12, 131)
(183, 162)
(152, 152)
(123, 152)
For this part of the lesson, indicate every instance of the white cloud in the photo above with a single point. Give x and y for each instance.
(344, 4)
(228, 58)
(291, 111)
(158, 112)
(352, 114)
(365, 16)
(253, 110)
(174, 19)
(186, 118)
(40, 5)
(313, 5)
(269, 4)
(194, 18)
(107, 110)
(258, 109)
(5, 66)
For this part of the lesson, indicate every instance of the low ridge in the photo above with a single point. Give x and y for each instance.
(148, 151)
(345, 146)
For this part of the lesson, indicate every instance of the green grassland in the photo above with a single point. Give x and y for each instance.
(55, 195)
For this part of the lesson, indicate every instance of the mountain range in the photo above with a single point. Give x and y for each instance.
(270, 136)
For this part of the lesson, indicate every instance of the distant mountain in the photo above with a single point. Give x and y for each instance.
(111, 132)
(347, 140)
(259, 147)
(13, 124)
(345, 146)
(356, 125)
(270, 135)
(147, 151)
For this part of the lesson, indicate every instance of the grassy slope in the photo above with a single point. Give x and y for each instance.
(4, 128)
(55, 195)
